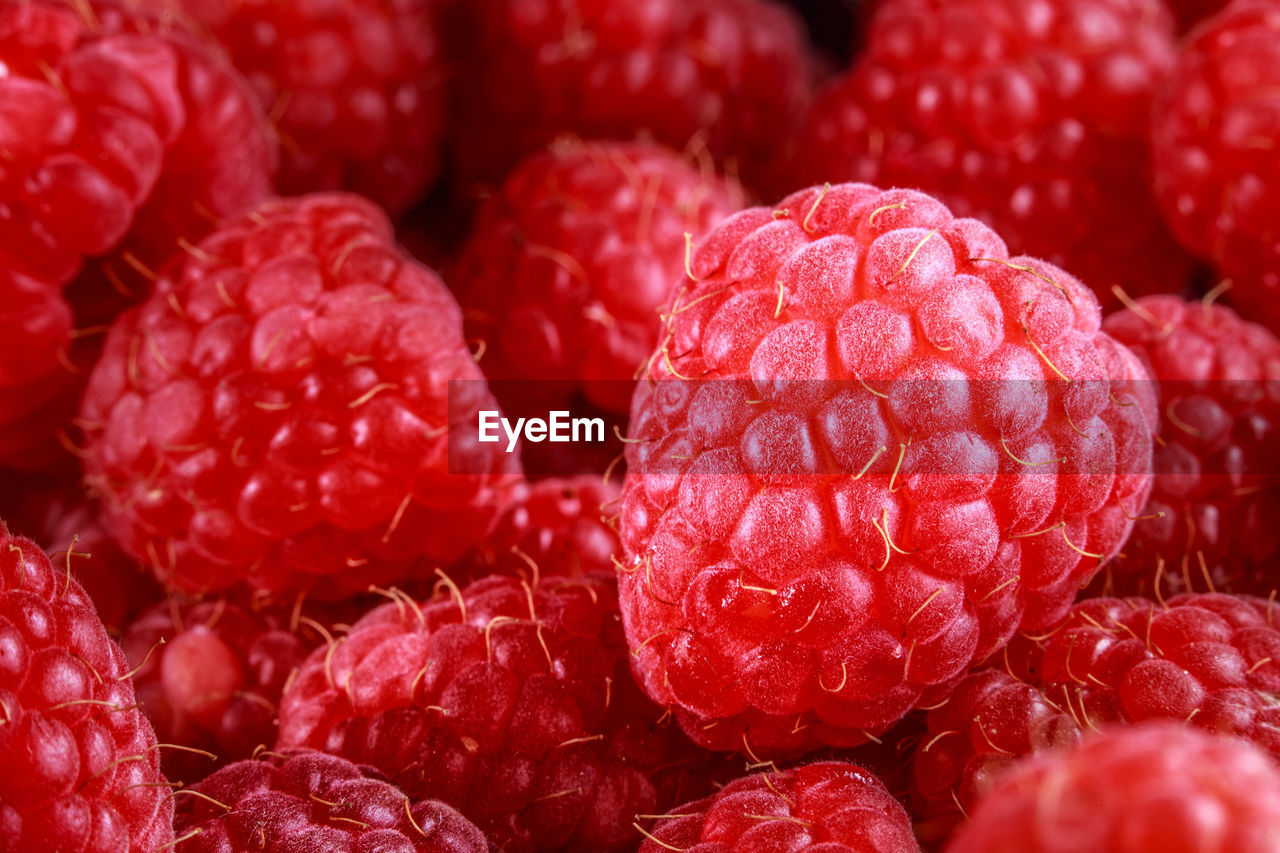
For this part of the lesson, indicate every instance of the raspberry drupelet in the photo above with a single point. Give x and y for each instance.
(309, 802)
(827, 807)
(123, 135)
(1210, 661)
(279, 413)
(81, 764)
(356, 89)
(869, 447)
(715, 75)
(1157, 787)
(510, 701)
(1031, 116)
(1213, 520)
(569, 263)
(1213, 135)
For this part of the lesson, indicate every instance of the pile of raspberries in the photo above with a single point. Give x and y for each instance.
(650, 425)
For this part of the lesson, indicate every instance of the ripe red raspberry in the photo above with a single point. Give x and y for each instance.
(554, 528)
(1031, 116)
(356, 89)
(568, 265)
(1158, 787)
(1213, 520)
(122, 135)
(855, 466)
(81, 767)
(1210, 660)
(209, 676)
(830, 806)
(315, 802)
(279, 412)
(1213, 136)
(720, 75)
(510, 701)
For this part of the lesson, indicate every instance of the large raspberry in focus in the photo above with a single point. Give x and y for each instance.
(829, 806)
(1213, 521)
(356, 89)
(719, 75)
(568, 265)
(123, 138)
(1158, 787)
(1031, 116)
(280, 412)
(510, 701)
(1214, 135)
(314, 802)
(81, 767)
(1212, 661)
(209, 676)
(869, 447)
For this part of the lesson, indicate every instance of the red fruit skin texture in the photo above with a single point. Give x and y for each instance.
(1031, 116)
(209, 676)
(1142, 789)
(721, 76)
(356, 90)
(81, 768)
(124, 135)
(853, 469)
(827, 807)
(1213, 520)
(568, 265)
(278, 413)
(1212, 132)
(309, 801)
(1206, 660)
(1191, 12)
(509, 701)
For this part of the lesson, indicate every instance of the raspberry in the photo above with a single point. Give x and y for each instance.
(1214, 128)
(81, 768)
(356, 89)
(508, 700)
(567, 266)
(278, 413)
(830, 806)
(1213, 521)
(1210, 660)
(311, 801)
(879, 473)
(717, 74)
(209, 676)
(1158, 787)
(130, 155)
(554, 528)
(1029, 116)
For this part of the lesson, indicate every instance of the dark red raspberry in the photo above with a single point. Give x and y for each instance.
(209, 676)
(1210, 660)
(1157, 787)
(1213, 520)
(1191, 12)
(508, 700)
(123, 136)
(718, 75)
(855, 467)
(81, 770)
(554, 528)
(315, 802)
(356, 89)
(568, 265)
(829, 807)
(1215, 130)
(1031, 116)
(279, 412)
